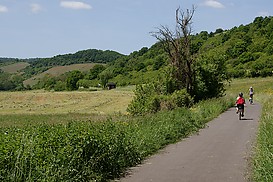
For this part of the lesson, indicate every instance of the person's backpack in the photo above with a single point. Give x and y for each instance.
(240, 100)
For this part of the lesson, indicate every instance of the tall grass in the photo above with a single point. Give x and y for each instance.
(263, 160)
(95, 151)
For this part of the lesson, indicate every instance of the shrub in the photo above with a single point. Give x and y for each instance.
(60, 86)
(181, 98)
(150, 98)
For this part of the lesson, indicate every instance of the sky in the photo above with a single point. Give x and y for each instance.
(46, 28)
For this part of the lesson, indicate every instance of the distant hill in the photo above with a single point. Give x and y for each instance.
(59, 70)
(40, 65)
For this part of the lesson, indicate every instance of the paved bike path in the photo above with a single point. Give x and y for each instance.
(219, 152)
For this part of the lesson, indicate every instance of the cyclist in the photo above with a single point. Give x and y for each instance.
(240, 101)
(251, 93)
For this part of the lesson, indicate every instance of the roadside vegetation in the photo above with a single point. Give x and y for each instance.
(84, 150)
(77, 147)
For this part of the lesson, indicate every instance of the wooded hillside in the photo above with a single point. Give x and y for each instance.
(246, 49)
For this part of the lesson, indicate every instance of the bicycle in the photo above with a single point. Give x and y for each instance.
(251, 99)
(240, 112)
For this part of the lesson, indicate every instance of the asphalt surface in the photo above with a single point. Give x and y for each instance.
(218, 153)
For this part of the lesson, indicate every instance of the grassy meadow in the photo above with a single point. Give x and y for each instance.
(52, 136)
(32, 107)
(85, 102)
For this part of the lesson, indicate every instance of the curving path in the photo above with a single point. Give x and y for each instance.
(218, 153)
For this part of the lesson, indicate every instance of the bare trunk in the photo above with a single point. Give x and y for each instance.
(177, 46)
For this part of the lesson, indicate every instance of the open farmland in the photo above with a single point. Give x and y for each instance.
(43, 102)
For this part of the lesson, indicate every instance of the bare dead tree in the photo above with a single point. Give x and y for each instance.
(177, 45)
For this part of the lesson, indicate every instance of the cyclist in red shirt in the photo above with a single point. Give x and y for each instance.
(240, 103)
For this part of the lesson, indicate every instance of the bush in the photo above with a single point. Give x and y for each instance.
(59, 86)
(150, 98)
(181, 98)
(143, 96)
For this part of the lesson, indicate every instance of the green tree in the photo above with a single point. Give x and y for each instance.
(211, 73)
(6, 81)
(105, 76)
(72, 79)
(95, 71)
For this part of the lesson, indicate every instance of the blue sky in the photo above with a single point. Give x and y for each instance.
(45, 28)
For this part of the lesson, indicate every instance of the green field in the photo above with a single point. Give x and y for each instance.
(52, 136)
(84, 102)
(62, 107)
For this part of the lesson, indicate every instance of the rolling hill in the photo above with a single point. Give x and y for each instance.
(59, 70)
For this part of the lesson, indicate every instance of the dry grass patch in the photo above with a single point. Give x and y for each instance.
(43, 102)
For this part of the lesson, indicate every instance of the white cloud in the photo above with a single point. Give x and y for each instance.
(35, 8)
(75, 5)
(3, 9)
(264, 13)
(213, 4)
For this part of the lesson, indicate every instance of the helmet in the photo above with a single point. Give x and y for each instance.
(241, 94)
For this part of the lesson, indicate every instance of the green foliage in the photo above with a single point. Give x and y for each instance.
(140, 103)
(59, 86)
(95, 71)
(85, 83)
(181, 98)
(237, 49)
(72, 80)
(40, 65)
(153, 97)
(105, 76)
(211, 74)
(10, 82)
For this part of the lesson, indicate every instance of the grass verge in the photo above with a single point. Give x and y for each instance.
(263, 159)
